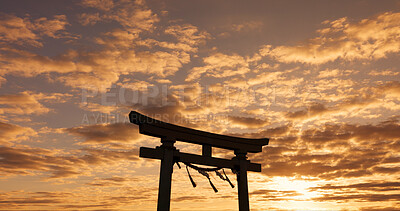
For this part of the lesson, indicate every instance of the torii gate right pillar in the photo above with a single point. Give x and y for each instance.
(243, 190)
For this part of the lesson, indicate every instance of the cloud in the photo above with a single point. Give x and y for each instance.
(165, 108)
(349, 103)
(2, 81)
(120, 53)
(27, 64)
(112, 181)
(188, 34)
(383, 73)
(21, 202)
(22, 31)
(104, 5)
(95, 107)
(368, 39)
(89, 18)
(247, 26)
(248, 122)
(28, 161)
(391, 88)
(188, 38)
(118, 38)
(54, 28)
(335, 73)
(106, 133)
(13, 106)
(22, 103)
(359, 197)
(134, 16)
(13, 133)
(368, 186)
(331, 150)
(220, 65)
(106, 156)
(274, 195)
(97, 70)
(382, 131)
(380, 208)
(15, 29)
(189, 199)
(313, 110)
(18, 161)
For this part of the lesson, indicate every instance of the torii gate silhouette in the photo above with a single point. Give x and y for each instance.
(168, 154)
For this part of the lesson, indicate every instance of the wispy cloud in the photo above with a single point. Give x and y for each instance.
(367, 39)
(105, 133)
(22, 31)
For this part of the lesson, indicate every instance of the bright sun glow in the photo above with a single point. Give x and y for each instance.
(301, 187)
(297, 192)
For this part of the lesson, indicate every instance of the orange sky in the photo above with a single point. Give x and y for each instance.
(319, 78)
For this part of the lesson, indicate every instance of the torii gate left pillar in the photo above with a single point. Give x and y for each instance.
(243, 189)
(166, 169)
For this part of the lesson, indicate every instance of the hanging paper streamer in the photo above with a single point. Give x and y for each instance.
(190, 177)
(224, 177)
(227, 179)
(204, 173)
(179, 166)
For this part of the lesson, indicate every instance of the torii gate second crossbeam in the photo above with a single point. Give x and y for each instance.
(168, 154)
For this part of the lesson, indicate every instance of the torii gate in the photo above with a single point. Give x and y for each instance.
(168, 154)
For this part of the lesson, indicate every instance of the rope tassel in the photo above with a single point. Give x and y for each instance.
(190, 177)
(212, 185)
(224, 177)
(227, 179)
(204, 173)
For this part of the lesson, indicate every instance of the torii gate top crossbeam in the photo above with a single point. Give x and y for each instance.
(157, 128)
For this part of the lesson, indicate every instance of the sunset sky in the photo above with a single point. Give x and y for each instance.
(321, 79)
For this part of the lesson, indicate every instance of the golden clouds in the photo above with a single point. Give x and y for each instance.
(134, 16)
(328, 104)
(117, 38)
(106, 133)
(15, 29)
(51, 27)
(21, 106)
(23, 160)
(342, 161)
(367, 39)
(247, 122)
(220, 65)
(27, 64)
(11, 133)
(119, 52)
(22, 103)
(21, 31)
(250, 25)
(89, 19)
(104, 5)
(188, 36)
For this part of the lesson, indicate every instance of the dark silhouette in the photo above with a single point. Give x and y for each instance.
(169, 155)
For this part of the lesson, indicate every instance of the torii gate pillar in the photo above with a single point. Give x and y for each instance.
(167, 165)
(243, 190)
